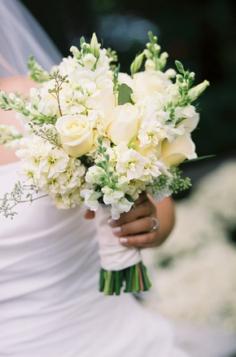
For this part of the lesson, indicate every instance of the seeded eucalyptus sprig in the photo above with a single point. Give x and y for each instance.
(176, 183)
(21, 193)
(48, 133)
(55, 92)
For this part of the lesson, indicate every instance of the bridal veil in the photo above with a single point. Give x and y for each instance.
(22, 36)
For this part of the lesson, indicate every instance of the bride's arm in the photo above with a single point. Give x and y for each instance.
(21, 85)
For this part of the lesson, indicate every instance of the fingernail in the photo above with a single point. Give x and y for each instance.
(123, 240)
(116, 230)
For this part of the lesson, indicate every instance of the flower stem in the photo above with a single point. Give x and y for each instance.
(133, 279)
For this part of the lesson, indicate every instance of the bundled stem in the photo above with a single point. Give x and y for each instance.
(131, 279)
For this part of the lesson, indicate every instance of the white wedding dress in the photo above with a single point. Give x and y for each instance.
(49, 300)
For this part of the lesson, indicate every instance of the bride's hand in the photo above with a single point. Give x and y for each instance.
(147, 225)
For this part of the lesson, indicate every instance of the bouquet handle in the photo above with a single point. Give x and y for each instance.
(120, 266)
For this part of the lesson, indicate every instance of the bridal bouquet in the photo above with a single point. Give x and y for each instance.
(100, 137)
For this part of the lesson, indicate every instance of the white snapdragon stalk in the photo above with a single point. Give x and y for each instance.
(9, 136)
(196, 91)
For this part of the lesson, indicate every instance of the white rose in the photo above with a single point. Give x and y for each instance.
(148, 83)
(104, 102)
(175, 152)
(125, 124)
(189, 116)
(76, 134)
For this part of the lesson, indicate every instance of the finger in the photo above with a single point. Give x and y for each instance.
(143, 210)
(142, 198)
(89, 214)
(138, 226)
(140, 240)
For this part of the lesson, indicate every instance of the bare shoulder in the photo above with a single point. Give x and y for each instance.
(20, 84)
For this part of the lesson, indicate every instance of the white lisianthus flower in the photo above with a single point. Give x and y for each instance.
(65, 201)
(124, 126)
(54, 162)
(90, 198)
(175, 152)
(68, 66)
(76, 134)
(52, 171)
(44, 101)
(122, 206)
(153, 129)
(111, 196)
(188, 116)
(94, 174)
(130, 163)
(117, 201)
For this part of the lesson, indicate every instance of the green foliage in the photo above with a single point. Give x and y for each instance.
(13, 101)
(8, 134)
(153, 53)
(88, 48)
(137, 63)
(178, 182)
(184, 80)
(48, 133)
(175, 183)
(112, 54)
(103, 161)
(36, 72)
(124, 94)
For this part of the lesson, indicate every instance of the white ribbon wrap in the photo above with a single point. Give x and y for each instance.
(114, 256)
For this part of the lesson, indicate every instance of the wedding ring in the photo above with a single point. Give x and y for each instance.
(156, 224)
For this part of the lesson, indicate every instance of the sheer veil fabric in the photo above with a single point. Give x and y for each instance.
(20, 37)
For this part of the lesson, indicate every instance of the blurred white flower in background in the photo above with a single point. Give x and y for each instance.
(196, 268)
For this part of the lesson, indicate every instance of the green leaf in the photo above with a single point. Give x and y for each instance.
(137, 63)
(124, 94)
(205, 157)
(179, 67)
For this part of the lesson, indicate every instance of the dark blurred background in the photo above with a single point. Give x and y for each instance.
(200, 33)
